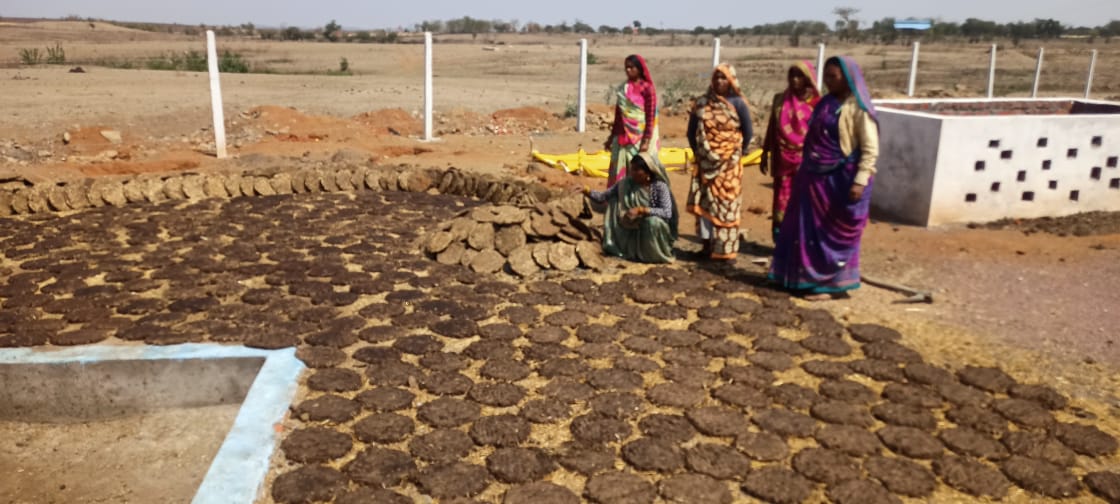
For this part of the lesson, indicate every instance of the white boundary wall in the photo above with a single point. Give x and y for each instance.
(939, 169)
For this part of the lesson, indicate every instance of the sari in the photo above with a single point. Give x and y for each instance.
(650, 238)
(635, 119)
(817, 250)
(785, 138)
(715, 192)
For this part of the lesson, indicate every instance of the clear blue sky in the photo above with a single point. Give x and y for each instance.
(655, 13)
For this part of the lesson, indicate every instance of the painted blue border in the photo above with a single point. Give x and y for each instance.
(241, 464)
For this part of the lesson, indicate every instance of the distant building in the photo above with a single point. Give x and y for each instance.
(913, 24)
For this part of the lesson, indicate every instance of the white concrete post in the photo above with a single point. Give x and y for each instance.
(992, 73)
(913, 69)
(715, 52)
(427, 86)
(820, 68)
(1037, 73)
(1092, 67)
(216, 96)
(582, 101)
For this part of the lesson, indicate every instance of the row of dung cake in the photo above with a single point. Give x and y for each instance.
(524, 240)
(151, 188)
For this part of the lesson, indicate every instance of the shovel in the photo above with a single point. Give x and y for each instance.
(915, 295)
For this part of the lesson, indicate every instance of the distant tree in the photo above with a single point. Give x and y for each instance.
(532, 27)
(291, 33)
(1112, 29)
(847, 24)
(581, 27)
(884, 30)
(978, 29)
(331, 31)
(699, 30)
(636, 24)
(607, 29)
(1048, 28)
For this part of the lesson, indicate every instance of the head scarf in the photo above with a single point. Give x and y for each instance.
(643, 69)
(854, 75)
(732, 80)
(793, 118)
(659, 173)
(809, 71)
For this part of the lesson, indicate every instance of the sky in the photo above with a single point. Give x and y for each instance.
(372, 14)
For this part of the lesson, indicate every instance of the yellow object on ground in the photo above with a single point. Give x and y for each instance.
(597, 164)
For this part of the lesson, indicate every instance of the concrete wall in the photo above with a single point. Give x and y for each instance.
(908, 146)
(993, 167)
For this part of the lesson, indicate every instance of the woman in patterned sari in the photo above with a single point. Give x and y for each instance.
(719, 131)
(817, 251)
(635, 119)
(785, 134)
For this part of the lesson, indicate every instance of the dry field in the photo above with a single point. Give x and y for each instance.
(1039, 305)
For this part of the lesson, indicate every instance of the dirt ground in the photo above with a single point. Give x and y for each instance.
(1039, 304)
(113, 460)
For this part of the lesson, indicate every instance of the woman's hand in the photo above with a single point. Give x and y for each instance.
(584, 190)
(635, 212)
(607, 143)
(764, 164)
(856, 193)
(644, 147)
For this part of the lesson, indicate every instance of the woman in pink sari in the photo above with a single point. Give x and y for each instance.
(785, 134)
(635, 119)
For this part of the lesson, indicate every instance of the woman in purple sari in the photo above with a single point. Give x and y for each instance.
(817, 250)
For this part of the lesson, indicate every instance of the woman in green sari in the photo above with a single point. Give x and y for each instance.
(641, 217)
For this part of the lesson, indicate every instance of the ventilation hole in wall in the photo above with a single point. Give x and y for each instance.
(1097, 141)
(994, 144)
(970, 198)
(1022, 177)
(1112, 162)
(1071, 153)
(1114, 183)
(1095, 173)
(1043, 141)
(1046, 164)
(1053, 184)
(1005, 154)
(1028, 195)
(995, 186)
(1074, 195)
(980, 166)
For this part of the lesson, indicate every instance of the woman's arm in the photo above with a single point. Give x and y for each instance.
(867, 133)
(693, 124)
(649, 96)
(603, 196)
(744, 120)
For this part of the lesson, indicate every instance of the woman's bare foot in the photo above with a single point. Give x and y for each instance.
(823, 296)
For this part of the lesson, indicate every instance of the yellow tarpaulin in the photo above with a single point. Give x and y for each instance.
(597, 164)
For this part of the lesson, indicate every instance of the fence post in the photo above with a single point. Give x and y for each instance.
(913, 69)
(992, 74)
(715, 52)
(1092, 67)
(216, 96)
(427, 86)
(820, 68)
(582, 101)
(1037, 73)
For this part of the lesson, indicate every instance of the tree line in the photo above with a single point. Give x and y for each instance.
(846, 27)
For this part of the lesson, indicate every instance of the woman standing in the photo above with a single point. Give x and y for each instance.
(641, 218)
(785, 134)
(635, 119)
(817, 251)
(719, 131)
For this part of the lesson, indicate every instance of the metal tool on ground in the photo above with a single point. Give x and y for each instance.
(915, 295)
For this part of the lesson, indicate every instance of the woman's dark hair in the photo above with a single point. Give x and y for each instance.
(637, 63)
(834, 61)
(640, 163)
